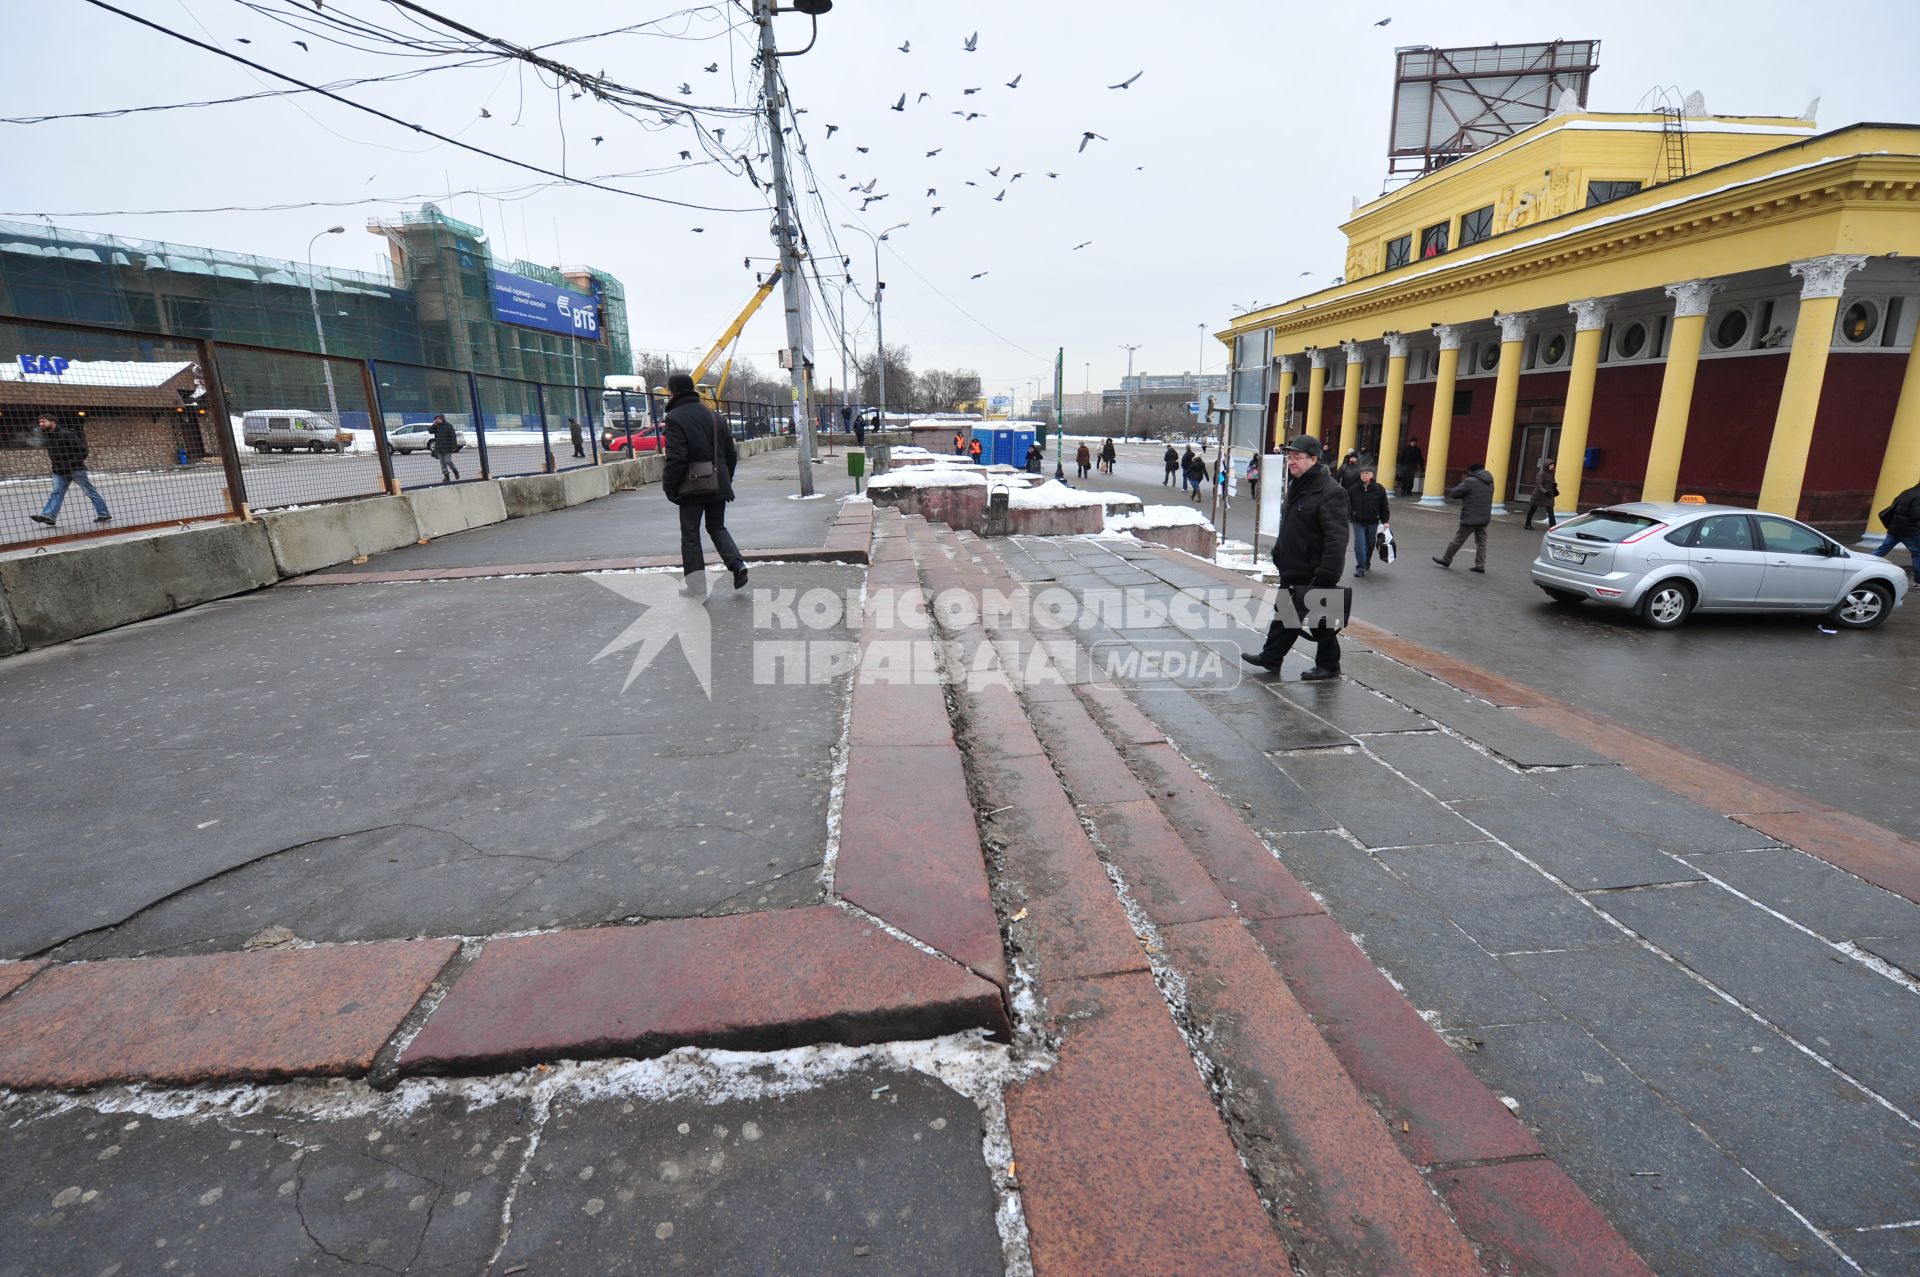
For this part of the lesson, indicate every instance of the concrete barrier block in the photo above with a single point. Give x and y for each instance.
(532, 494)
(623, 476)
(439, 512)
(584, 485)
(320, 536)
(98, 586)
(9, 632)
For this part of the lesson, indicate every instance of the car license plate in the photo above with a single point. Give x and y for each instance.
(1564, 555)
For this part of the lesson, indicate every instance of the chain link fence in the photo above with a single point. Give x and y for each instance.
(304, 425)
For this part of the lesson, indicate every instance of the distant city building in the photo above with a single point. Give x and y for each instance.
(1164, 392)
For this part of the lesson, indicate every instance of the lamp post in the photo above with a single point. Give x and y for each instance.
(1126, 427)
(1202, 365)
(879, 324)
(320, 329)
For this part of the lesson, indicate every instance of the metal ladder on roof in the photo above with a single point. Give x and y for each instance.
(1673, 141)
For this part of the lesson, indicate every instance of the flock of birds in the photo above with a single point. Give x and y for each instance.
(869, 196)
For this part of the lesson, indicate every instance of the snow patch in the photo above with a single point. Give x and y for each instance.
(1159, 516)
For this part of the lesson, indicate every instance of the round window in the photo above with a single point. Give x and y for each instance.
(1633, 339)
(1554, 350)
(1731, 328)
(1490, 356)
(1858, 323)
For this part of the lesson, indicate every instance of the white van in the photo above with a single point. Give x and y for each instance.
(293, 430)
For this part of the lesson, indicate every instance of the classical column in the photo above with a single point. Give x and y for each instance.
(1316, 388)
(1691, 301)
(1506, 397)
(1390, 410)
(1589, 324)
(1900, 465)
(1350, 395)
(1283, 422)
(1822, 280)
(1433, 490)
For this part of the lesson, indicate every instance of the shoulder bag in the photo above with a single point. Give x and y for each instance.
(703, 477)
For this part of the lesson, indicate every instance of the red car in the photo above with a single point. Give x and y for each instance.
(645, 439)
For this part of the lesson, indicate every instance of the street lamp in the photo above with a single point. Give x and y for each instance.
(1202, 365)
(879, 325)
(319, 329)
(1126, 426)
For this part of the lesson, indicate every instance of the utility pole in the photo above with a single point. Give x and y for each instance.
(879, 321)
(320, 329)
(792, 285)
(1126, 428)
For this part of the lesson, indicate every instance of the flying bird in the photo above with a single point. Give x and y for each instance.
(1078, 247)
(598, 140)
(993, 172)
(973, 43)
(303, 46)
(971, 182)
(485, 114)
(1308, 272)
(718, 134)
(974, 115)
(1016, 177)
(868, 188)
(922, 98)
(1053, 175)
(575, 97)
(981, 275)
(901, 105)
(906, 46)
(832, 129)
(686, 155)
(871, 199)
(968, 93)
(1001, 196)
(935, 151)
(712, 68)
(1128, 82)
(931, 192)
(1383, 22)
(936, 209)
(699, 230)
(863, 149)
(685, 88)
(1014, 83)
(241, 40)
(1090, 136)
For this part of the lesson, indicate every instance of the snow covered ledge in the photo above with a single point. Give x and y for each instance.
(1177, 527)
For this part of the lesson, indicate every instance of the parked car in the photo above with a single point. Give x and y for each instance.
(645, 439)
(293, 430)
(1668, 560)
(414, 436)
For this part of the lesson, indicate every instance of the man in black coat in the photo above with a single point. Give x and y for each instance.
(1367, 501)
(1411, 465)
(1475, 495)
(1172, 461)
(443, 441)
(67, 459)
(1310, 553)
(1903, 527)
(695, 435)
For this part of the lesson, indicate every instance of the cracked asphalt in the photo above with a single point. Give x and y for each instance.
(384, 761)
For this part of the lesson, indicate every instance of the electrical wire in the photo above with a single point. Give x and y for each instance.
(117, 112)
(394, 119)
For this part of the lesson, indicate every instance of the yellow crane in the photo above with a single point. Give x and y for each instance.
(729, 338)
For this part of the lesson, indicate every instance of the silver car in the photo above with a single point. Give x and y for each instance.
(1667, 560)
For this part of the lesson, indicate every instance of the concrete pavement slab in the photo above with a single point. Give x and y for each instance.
(1813, 893)
(1441, 969)
(1641, 807)
(96, 1191)
(641, 991)
(1585, 852)
(1902, 951)
(1448, 768)
(1351, 707)
(454, 747)
(1684, 1204)
(875, 1172)
(1839, 1007)
(1754, 1093)
(1370, 802)
(1884, 1252)
(1502, 903)
(1858, 846)
(1533, 1216)
(231, 1017)
(15, 974)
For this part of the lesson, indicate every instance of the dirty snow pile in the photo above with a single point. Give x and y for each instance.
(1159, 516)
(1050, 496)
(929, 477)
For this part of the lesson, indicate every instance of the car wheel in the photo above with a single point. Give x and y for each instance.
(1572, 598)
(1667, 604)
(1865, 606)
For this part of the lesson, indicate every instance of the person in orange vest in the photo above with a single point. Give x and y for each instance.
(959, 444)
(973, 450)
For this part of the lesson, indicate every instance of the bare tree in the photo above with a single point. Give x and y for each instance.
(900, 380)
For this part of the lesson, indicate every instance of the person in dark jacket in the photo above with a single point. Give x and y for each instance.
(1545, 489)
(578, 439)
(1411, 466)
(1171, 460)
(1309, 553)
(1253, 477)
(1083, 460)
(976, 451)
(1107, 455)
(1902, 519)
(694, 434)
(1194, 470)
(1475, 495)
(67, 459)
(1349, 473)
(443, 442)
(1367, 505)
(1035, 455)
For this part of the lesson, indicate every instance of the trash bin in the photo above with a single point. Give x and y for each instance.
(856, 466)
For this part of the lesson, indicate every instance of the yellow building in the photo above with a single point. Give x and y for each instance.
(1722, 306)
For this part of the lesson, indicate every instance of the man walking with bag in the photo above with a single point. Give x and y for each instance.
(1902, 520)
(1310, 554)
(67, 459)
(698, 477)
(443, 442)
(1367, 500)
(1475, 495)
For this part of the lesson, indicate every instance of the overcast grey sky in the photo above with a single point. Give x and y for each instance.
(1227, 168)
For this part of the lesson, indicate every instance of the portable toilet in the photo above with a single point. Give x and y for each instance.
(1022, 440)
(1003, 447)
